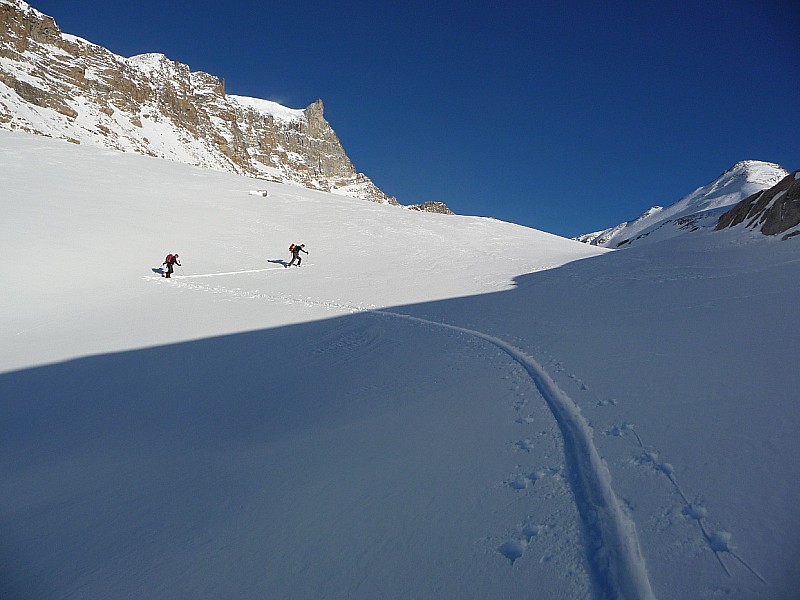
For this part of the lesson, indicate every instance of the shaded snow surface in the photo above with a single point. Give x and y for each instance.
(432, 406)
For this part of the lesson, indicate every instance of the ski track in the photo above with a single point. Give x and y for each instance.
(719, 542)
(616, 563)
(200, 275)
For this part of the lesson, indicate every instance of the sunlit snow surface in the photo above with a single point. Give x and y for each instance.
(432, 406)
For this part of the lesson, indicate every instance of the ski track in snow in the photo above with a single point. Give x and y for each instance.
(719, 542)
(617, 566)
(279, 297)
(219, 274)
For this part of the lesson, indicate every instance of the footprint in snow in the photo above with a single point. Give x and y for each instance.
(514, 548)
(696, 512)
(521, 482)
(721, 541)
(525, 445)
(607, 402)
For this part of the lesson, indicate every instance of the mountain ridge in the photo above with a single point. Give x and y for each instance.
(63, 86)
(699, 209)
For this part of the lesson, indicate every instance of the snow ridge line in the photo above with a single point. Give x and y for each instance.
(614, 555)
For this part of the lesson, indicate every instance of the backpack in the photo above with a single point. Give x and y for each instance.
(170, 259)
(291, 248)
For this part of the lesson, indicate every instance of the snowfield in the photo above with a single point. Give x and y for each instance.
(432, 406)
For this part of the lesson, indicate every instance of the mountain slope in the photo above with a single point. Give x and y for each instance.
(772, 211)
(431, 406)
(62, 86)
(699, 210)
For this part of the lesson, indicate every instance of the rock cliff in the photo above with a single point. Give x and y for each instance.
(773, 211)
(62, 86)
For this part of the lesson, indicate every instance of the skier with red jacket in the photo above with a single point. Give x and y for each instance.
(296, 250)
(170, 261)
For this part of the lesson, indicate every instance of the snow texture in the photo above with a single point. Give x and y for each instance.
(430, 406)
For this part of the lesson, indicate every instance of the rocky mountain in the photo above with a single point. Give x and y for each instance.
(699, 210)
(773, 211)
(62, 86)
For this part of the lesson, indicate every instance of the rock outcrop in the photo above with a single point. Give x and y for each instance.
(772, 212)
(432, 207)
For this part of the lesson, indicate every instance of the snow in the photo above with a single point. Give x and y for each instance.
(700, 209)
(431, 406)
(20, 4)
(278, 111)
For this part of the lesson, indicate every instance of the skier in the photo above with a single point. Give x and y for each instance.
(296, 250)
(172, 259)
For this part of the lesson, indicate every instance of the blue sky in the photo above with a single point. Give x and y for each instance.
(565, 116)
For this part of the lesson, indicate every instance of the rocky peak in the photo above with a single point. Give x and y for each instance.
(34, 26)
(63, 86)
(315, 113)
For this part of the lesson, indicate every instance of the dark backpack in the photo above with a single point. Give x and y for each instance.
(291, 248)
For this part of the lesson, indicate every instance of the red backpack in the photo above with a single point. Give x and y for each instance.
(291, 248)
(170, 259)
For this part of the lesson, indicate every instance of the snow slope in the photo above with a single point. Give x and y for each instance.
(431, 406)
(699, 210)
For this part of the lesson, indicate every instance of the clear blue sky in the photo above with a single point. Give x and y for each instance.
(562, 115)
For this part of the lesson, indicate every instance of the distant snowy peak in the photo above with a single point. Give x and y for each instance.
(602, 238)
(746, 176)
(699, 210)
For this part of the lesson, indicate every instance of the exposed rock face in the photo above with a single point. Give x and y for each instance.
(63, 86)
(773, 211)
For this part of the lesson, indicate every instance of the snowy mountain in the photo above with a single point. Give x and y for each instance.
(772, 211)
(415, 412)
(62, 86)
(699, 210)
